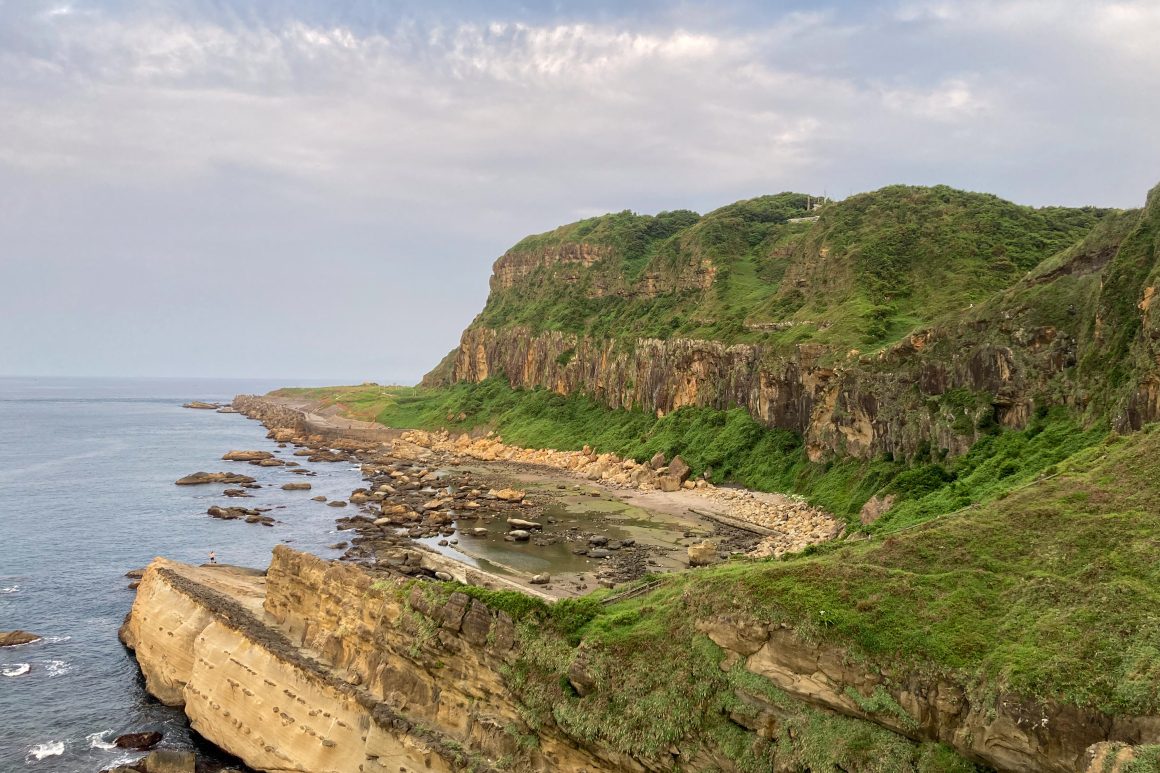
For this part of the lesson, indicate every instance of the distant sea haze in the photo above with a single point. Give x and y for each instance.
(86, 493)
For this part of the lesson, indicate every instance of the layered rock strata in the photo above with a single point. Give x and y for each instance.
(321, 666)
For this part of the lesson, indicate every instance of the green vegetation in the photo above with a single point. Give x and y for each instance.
(659, 686)
(1147, 760)
(1049, 593)
(868, 271)
(1028, 566)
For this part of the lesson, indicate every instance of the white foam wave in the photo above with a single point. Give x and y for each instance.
(56, 639)
(57, 667)
(9, 589)
(49, 749)
(125, 759)
(15, 669)
(97, 740)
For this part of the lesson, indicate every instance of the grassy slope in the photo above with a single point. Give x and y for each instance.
(1049, 592)
(872, 268)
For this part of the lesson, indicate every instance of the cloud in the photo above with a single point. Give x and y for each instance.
(393, 144)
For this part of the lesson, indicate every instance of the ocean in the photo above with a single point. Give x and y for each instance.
(86, 493)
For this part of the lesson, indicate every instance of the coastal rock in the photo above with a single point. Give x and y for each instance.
(336, 503)
(508, 495)
(139, 741)
(520, 523)
(875, 508)
(702, 554)
(200, 478)
(519, 535)
(170, 761)
(246, 456)
(236, 492)
(679, 469)
(14, 638)
(199, 405)
(581, 680)
(296, 486)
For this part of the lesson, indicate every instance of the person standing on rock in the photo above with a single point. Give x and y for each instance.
(212, 557)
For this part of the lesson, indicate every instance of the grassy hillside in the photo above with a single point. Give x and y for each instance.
(1048, 593)
(868, 270)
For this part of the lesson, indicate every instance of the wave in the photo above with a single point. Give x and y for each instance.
(9, 589)
(15, 669)
(49, 749)
(57, 667)
(97, 740)
(55, 639)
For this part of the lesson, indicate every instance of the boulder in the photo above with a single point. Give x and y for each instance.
(336, 503)
(139, 741)
(246, 456)
(318, 498)
(658, 461)
(303, 486)
(540, 579)
(679, 469)
(13, 638)
(520, 535)
(199, 405)
(170, 761)
(236, 492)
(508, 495)
(199, 478)
(520, 523)
(702, 554)
(582, 681)
(668, 483)
(875, 508)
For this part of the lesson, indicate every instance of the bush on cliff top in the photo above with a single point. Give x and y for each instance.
(872, 268)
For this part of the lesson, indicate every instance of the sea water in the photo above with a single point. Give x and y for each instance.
(86, 493)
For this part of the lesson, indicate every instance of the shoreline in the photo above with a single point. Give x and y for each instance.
(566, 494)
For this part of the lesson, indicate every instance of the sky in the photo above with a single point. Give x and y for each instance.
(316, 189)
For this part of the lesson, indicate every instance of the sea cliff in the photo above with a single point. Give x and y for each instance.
(322, 666)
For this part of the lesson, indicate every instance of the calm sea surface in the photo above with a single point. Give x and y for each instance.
(86, 493)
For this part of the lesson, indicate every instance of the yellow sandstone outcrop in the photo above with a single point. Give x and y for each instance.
(315, 668)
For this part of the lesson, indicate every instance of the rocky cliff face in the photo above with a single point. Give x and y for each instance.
(1003, 731)
(1080, 330)
(322, 666)
(317, 668)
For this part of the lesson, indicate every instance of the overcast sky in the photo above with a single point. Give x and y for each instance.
(222, 189)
